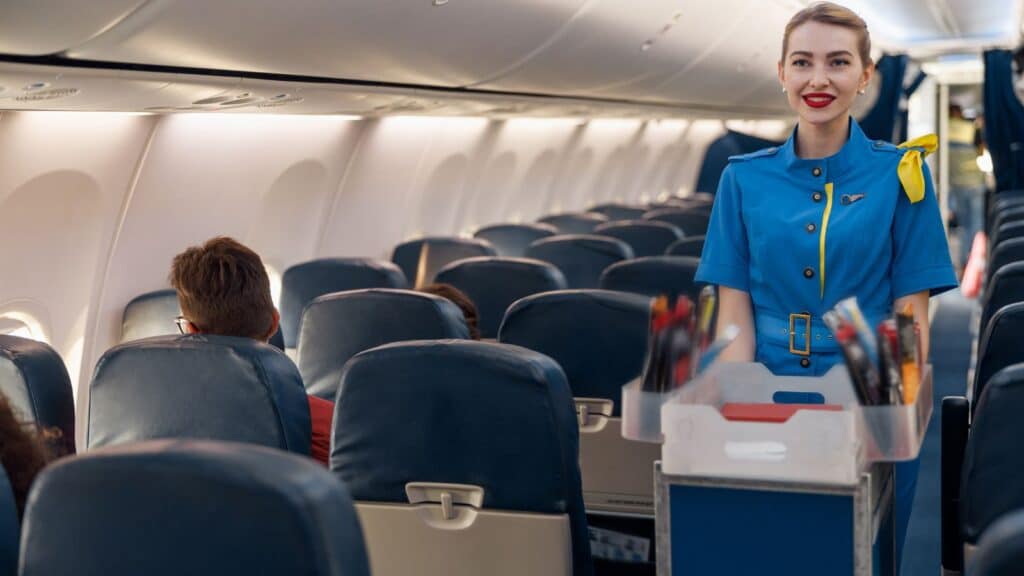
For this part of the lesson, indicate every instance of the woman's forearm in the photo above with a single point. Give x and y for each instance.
(735, 308)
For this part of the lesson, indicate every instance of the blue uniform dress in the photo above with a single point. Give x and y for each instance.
(801, 234)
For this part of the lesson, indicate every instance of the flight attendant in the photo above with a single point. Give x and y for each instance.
(828, 215)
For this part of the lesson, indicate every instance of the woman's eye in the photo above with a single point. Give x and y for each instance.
(840, 62)
(801, 63)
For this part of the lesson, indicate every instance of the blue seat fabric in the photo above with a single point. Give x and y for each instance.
(512, 240)
(691, 246)
(582, 223)
(1008, 251)
(654, 276)
(645, 237)
(36, 384)
(435, 253)
(1005, 288)
(581, 257)
(1001, 550)
(1000, 346)
(10, 527)
(693, 222)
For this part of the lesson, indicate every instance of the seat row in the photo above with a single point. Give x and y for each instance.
(982, 469)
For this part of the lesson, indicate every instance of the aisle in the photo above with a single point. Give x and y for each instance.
(950, 352)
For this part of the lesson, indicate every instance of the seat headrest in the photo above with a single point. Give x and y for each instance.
(304, 282)
(598, 337)
(421, 259)
(198, 386)
(493, 284)
(692, 221)
(35, 381)
(692, 246)
(645, 237)
(1006, 252)
(999, 346)
(336, 327)
(653, 276)
(993, 473)
(150, 314)
(619, 211)
(580, 257)
(464, 412)
(511, 240)
(1005, 288)
(572, 223)
(169, 507)
(10, 526)
(1001, 550)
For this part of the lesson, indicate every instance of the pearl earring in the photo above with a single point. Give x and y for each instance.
(861, 91)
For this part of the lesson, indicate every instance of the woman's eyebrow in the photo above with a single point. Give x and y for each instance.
(833, 54)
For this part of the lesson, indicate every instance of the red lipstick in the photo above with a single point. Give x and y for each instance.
(818, 99)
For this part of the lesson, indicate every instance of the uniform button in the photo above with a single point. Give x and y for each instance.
(805, 362)
(808, 272)
(811, 227)
(817, 197)
(816, 172)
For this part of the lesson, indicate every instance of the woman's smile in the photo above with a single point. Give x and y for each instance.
(818, 99)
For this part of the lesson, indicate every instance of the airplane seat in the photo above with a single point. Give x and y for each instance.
(511, 240)
(336, 327)
(494, 283)
(1008, 231)
(615, 211)
(575, 223)
(1005, 252)
(461, 456)
(37, 387)
(992, 481)
(172, 507)
(654, 276)
(420, 259)
(599, 338)
(1006, 215)
(198, 386)
(304, 282)
(690, 246)
(1000, 347)
(1001, 549)
(692, 222)
(581, 257)
(153, 314)
(1006, 287)
(10, 527)
(645, 237)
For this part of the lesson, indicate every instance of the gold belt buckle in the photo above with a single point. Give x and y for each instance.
(806, 351)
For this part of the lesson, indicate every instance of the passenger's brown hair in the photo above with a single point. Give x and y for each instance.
(459, 298)
(22, 453)
(836, 15)
(223, 288)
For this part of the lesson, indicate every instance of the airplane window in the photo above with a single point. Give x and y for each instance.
(21, 325)
(275, 284)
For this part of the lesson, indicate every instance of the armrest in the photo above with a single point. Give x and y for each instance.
(955, 425)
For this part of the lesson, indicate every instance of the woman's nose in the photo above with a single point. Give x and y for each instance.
(819, 78)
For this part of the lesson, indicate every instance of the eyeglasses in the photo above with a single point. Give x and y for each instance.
(183, 325)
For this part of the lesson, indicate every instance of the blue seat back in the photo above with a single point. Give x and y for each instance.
(993, 471)
(1006, 252)
(645, 237)
(619, 211)
(581, 257)
(304, 282)
(512, 240)
(462, 412)
(1008, 231)
(1001, 550)
(1000, 346)
(153, 313)
(1005, 288)
(654, 276)
(692, 247)
(598, 337)
(338, 326)
(198, 386)
(693, 222)
(36, 384)
(421, 259)
(10, 527)
(575, 223)
(493, 284)
(173, 507)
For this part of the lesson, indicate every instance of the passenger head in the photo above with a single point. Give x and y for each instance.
(224, 289)
(826, 62)
(461, 300)
(22, 453)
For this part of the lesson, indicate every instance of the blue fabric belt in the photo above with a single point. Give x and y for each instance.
(775, 329)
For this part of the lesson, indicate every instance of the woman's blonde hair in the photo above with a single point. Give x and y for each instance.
(836, 15)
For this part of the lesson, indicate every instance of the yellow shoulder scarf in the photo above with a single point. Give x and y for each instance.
(911, 167)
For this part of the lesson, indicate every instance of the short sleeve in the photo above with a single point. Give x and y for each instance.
(725, 260)
(920, 252)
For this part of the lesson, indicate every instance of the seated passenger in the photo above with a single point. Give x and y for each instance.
(22, 453)
(459, 298)
(223, 289)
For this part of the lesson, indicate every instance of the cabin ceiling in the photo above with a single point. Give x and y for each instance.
(516, 57)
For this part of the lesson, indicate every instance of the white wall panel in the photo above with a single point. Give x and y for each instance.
(63, 177)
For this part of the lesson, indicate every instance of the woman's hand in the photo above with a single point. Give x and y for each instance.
(735, 308)
(920, 303)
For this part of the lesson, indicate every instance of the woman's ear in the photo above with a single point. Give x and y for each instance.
(782, 75)
(865, 77)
